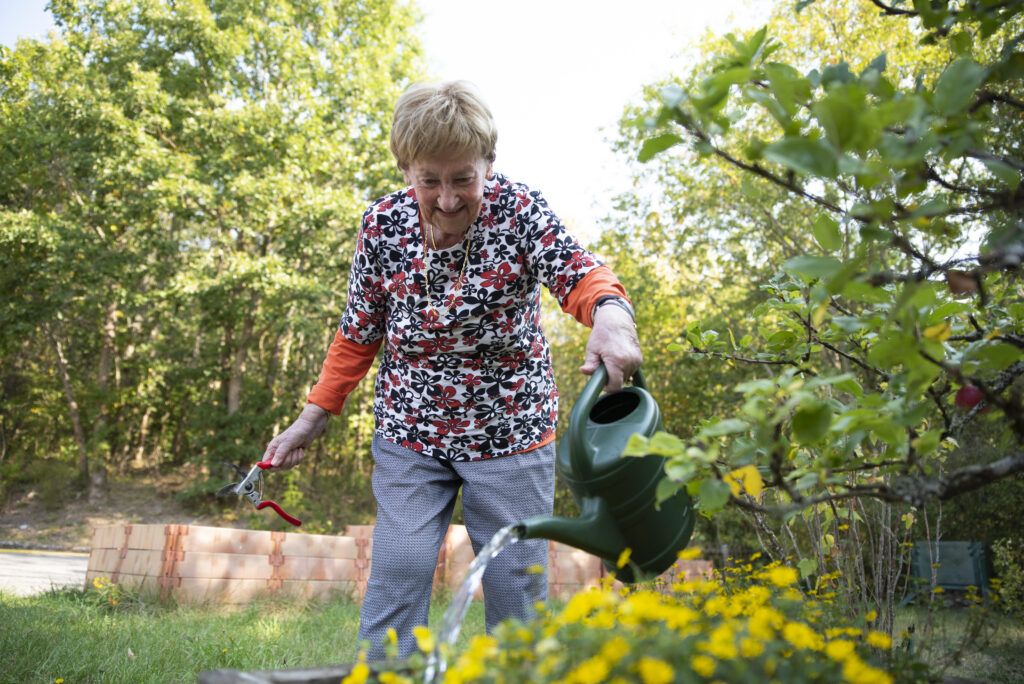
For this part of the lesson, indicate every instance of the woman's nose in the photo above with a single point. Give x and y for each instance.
(447, 200)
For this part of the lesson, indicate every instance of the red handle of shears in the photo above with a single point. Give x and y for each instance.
(264, 504)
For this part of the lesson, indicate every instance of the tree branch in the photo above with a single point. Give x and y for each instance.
(915, 491)
(891, 11)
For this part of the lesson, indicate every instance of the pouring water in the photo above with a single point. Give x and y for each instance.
(451, 623)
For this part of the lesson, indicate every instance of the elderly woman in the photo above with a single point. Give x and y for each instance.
(447, 276)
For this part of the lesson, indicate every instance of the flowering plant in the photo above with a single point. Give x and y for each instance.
(748, 626)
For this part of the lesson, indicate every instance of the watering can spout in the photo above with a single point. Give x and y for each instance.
(594, 531)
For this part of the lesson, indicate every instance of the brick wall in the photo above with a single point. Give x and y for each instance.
(226, 565)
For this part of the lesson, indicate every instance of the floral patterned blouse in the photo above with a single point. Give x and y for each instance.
(475, 382)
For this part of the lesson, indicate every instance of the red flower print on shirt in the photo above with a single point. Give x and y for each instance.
(397, 284)
(499, 277)
(446, 398)
(580, 260)
(451, 426)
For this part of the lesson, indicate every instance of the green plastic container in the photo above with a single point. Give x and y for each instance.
(616, 494)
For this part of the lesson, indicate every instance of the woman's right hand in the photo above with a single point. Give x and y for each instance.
(288, 448)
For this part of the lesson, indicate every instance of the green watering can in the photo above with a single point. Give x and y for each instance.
(616, 494)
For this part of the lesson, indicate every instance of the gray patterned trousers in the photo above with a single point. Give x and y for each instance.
(415, 499)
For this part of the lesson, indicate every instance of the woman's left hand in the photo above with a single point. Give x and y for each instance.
(613, 341)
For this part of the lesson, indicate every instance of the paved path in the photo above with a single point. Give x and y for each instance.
(24, 572)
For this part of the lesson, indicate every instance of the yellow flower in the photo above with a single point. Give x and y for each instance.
(871, 615)
(590, 671)
(613, 650)
(782, 576)
(392, 636)
(654, 671)
(855, 671)
(424, 638)
(751, 648)
(392, 678)
(839, 650)
(60, 681)
(584, 603)
(358, 675)
(623, 557)
(879, 640)
(747, 479)
(690, 553)
(703, 665)
(721, 643)
(802, 636)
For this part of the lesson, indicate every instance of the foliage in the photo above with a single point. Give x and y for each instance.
(744, 625)
(179, 191)
(1008, 561)
(847, 185)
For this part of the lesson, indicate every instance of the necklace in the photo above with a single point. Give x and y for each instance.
(458, 283)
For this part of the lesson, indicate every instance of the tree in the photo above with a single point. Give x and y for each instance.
(887, 190)
(182, 183)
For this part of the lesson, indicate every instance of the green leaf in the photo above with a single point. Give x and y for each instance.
(658, 143)
(666, 489)
(827, 233)
(956, 86)
(811, 422)
(809, 266)
(713, 494)
(997, 356)
(665, 444)
(1004, 172)
(807, 567)
(803, 155)
(724, 427)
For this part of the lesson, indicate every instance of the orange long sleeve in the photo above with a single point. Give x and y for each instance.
(579, 303)
(346, 364)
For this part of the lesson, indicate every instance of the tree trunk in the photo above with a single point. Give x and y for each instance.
(69, 393)
(103, 373)
(238, 359)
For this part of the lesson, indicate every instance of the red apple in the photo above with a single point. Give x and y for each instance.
(967, 397)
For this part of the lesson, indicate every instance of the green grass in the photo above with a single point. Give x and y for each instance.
(955, 644)
(78, 636)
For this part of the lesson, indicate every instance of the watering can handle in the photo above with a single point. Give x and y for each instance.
(578, 418)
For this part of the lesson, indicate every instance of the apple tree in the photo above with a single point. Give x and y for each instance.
(877, 200)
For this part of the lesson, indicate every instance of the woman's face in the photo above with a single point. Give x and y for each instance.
(450, 190)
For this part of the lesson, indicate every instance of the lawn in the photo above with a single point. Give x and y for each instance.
(80, 637)
(83, 636)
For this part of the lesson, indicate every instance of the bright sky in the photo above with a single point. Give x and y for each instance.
(556, 73)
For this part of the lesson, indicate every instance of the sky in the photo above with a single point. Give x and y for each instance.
(557, 75)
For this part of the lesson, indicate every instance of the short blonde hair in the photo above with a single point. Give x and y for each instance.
(442, 118)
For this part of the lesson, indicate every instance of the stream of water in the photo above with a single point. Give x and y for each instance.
(451, 623)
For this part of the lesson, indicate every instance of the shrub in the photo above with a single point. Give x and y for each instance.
(1008, 559)
(751, 625)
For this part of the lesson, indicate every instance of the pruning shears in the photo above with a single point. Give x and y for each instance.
(251, 486)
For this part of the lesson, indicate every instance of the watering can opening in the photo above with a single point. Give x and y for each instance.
(612, 408)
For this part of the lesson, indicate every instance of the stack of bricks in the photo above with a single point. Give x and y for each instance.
(233, 566)
(571, 570)
(223, 565)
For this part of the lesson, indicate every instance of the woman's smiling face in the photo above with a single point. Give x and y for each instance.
(450, 191)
